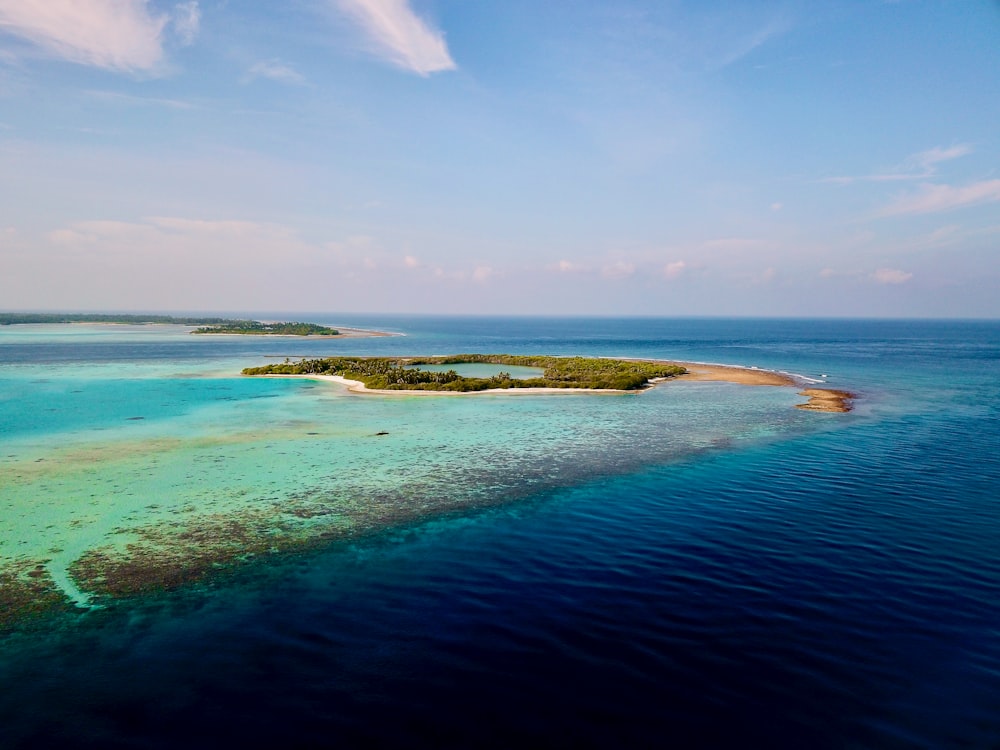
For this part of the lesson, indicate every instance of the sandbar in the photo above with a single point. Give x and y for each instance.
(826, 399)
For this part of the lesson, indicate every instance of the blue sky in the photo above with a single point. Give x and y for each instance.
(461, 156)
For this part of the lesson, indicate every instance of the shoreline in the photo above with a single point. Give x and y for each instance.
(820, 399)
(343, 333)
(356, 386)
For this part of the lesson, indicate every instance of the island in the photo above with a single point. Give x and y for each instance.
(407, 375)
(257, 328)
(390, 374)
(7, 319)
(206, 325)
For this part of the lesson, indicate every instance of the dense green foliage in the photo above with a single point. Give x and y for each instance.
(256, 328)
(559, 372)
(209, 325)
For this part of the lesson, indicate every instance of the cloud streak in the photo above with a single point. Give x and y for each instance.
(891, 276)
(930, 198)
(275, 70)
(399, 36)
(918, 166)
(119, 35)
(186, 21)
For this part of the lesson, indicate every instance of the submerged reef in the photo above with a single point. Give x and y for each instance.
(27, 591)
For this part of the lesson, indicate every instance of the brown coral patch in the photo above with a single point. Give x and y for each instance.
(825, 399)
(27, 592)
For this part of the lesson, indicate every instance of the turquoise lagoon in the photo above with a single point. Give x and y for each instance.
(130, 458)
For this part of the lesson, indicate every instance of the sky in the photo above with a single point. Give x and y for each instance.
(659, 157)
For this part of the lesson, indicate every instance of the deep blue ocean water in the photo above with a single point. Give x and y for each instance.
(836, 586)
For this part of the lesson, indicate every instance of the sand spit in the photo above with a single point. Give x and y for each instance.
(820, 399)
(730, 374)
(824, 399)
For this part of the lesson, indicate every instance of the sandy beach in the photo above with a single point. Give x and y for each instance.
(820, 399)
(356, 386)
(730, 374)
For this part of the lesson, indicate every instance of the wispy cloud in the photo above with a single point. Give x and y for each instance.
(483, 273)
(142, 101)
(918, 166)
(930, 198)
(567, 266)
(275, 70)
(745, 43)
(891, 276)
(119, 35)
(186, 21)
(618, 270)
(399, 36)
(674, 269)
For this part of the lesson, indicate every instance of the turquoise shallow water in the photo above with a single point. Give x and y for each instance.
(700, 559)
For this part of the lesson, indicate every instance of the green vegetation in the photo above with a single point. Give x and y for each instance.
(209, 325)
(256, 328)
(385, 373)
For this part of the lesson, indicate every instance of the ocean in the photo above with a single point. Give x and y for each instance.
(200, 559)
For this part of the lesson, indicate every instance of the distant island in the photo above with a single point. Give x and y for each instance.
(207, 325)
(404, 373)
(257, 328)
(7, 319)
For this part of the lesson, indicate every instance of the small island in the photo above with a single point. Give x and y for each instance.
(8, 319)
(404, 373)
(257, 328)
(207, 325)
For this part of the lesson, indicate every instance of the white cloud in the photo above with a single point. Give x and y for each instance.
(618, 270)
(674, 269)
(927, 159)
(567, 266)
(119, 98)
(206, 227)
(482, 273)
(776, 206)
(113, 34)
(411, 262)
(399, 36)
(186, 21)
(274, 70)
(918, 166)
(931, 198)
(891, 276)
